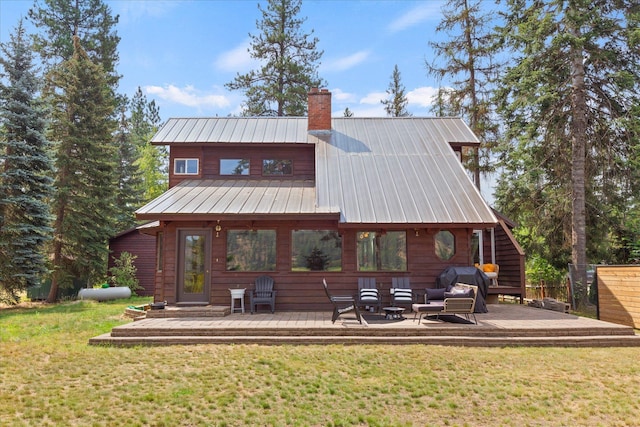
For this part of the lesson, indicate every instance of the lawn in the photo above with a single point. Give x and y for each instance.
(50, 376)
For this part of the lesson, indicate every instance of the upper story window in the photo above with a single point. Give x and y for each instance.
(185, 166)
(234, 166)
(276, 167)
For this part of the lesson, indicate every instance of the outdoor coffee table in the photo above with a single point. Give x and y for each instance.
(392, 313)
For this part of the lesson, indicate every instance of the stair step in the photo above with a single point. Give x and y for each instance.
(471, 341)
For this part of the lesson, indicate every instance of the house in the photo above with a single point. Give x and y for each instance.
(303, 198)
(143, 247)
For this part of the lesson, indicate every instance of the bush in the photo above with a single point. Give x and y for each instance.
(123, 273)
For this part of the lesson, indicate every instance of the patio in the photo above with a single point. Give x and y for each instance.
(503, 325)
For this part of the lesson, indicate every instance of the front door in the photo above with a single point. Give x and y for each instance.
(194, 257)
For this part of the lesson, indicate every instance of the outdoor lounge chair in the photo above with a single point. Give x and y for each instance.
(263, 294)
(463, 303)
(368, 293)
(401, 292)
(341, 304)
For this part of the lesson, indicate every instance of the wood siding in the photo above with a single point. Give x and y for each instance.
(510, 258)
(301, 155)
(619, 294)
(144, 247)
(303, 291)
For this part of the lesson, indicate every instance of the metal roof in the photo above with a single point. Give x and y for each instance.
(369, 170)
(236, 197)
(398, 171)
(258, 130)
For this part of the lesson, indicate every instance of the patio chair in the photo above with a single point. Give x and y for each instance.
(401, 292)
(341, 304)
(263, 294)
(368, 293)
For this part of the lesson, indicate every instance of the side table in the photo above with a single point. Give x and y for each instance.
(237, 294)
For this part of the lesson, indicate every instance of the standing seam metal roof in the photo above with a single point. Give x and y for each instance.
(371, 171)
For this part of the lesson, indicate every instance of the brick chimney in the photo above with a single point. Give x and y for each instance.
(319, 109)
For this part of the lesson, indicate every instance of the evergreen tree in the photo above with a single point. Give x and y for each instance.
(25, 182)
(130, 188)
(569, 102)
(85, 164)
(290, 63)
(468, 61)
(396, 105)
(89, 20)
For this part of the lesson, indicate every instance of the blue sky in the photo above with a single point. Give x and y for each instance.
(181, 53)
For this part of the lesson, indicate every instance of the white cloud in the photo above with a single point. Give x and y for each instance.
(236, 60)
(347, 62)
(424, 12)
(422, 97)
(374, 98)
(341, 96)
(188, 96)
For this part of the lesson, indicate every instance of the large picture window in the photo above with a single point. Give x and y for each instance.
(249, 250)
(234, 166)
(382, 251)
(316, 250)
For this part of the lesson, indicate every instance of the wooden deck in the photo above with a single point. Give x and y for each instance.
(503, 325)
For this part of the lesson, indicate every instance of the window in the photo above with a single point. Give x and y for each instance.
(316, 250)
(276, 167)
(249, 250)
(382, 251)
(159, 248)
(234, 166)
(445, 245)
(185, 166)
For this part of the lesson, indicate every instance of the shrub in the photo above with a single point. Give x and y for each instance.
(123, 273)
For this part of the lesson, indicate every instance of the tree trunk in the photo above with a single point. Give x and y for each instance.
(578, 158)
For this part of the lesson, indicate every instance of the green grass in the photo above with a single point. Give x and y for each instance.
(50, 376)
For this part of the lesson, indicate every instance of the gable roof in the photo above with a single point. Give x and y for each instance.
(369, 170)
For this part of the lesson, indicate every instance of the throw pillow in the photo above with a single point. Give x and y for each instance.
(368, 294)
(435, 294)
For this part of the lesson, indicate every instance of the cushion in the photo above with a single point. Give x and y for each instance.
(368, 294)
(435, 294)
(489, 268)
(459, 292)
(402, 295)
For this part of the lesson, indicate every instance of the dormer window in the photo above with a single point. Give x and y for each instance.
(234, 166)
(276, 167)
(185, 166)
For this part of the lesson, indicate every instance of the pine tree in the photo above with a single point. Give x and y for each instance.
(396, 104)
(290, 62)
(130, 188)
(90, 20)
(468, 60)
(569, 101)
(84, 207)
(25, 182)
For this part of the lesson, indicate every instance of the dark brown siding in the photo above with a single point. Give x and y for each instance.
(510, 258)
(144, 247)
(303, 290)
(301, 155)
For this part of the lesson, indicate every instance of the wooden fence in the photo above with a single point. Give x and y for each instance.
(543, 290)
(619, 294)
